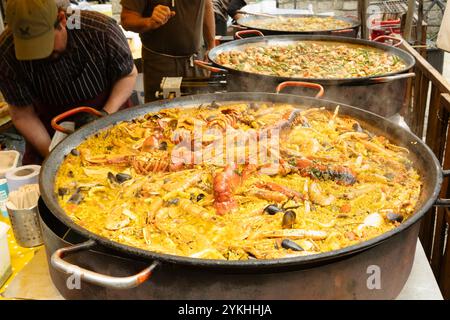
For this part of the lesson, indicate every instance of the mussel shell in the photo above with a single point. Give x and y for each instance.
(289, 218)
(289, 244)
(76, 198)
(357, 127)
(173, 201)
(163, 146)
(272, 209)
(63, 191)
(112, 177)
(75, 152)
(394, 217)
(122, 177)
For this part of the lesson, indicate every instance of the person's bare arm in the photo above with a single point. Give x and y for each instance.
(135, 22)
(209, 26)
(30, 126)
(120, 92)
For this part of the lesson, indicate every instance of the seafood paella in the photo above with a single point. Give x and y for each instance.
(312, 59)
(239, 181)
(301, 23)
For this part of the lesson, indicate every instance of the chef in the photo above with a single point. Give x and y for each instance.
(171, 33)
(48, 66)
(223, 9)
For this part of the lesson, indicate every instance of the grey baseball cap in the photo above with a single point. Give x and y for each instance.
(32, 23)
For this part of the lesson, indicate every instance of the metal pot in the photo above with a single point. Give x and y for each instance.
(384, 94)
(249, 21)
(340, 274)
(345, 279)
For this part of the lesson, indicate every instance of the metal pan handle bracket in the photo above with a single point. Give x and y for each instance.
(70, 113)
(311, 85)
(95, 278)
(238, 26)
(443, 202)
(394, 39)
(390, 78)
(352, 16)
(344, 31)
(208, 66)
(240, 34)
(265, 15)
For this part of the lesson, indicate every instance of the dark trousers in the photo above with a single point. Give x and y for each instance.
(221, 25)
(156, 66)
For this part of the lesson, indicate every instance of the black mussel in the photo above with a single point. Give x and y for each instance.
(272, 209)
(213, 105)
(122, 177)
(289, 244)
(253, 106)
(75, 152)
(76, 198)
(200, 197)
(70, 174)
(112, 177)
(390, 176)
(62, 192)
(173, 124)
(394, 217)
(289, 218)
(173, 202)
(163, 146)
(357, 127)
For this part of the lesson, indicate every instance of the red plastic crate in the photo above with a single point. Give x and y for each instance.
(385, 27)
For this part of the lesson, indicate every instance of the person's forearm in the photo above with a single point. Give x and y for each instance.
(209, 26)
(120, 92)
(136, 23)
(30, 126)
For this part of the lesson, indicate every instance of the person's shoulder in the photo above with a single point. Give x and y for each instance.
(6, 42)
(7, 54)
(95, 21)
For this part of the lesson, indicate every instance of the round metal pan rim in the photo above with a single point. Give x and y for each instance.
(71, 141)
(233, 45)
(244, 21)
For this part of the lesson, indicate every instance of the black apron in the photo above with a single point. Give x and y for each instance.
(182, 35)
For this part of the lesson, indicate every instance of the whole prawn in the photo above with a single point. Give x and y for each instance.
(224, 184)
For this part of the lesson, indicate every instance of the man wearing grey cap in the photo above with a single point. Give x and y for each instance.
(48, 66)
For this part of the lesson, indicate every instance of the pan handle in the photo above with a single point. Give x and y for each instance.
(265, 15)
(95, 278)
(237, 26)
(239, 34)
(352, 16)
(443, 202)
(70, 113)
(390, 78)
(384, 37)
(311, 85)
(338, 32)
(208, 66)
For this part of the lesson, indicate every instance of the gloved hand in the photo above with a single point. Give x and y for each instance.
(82, 119)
